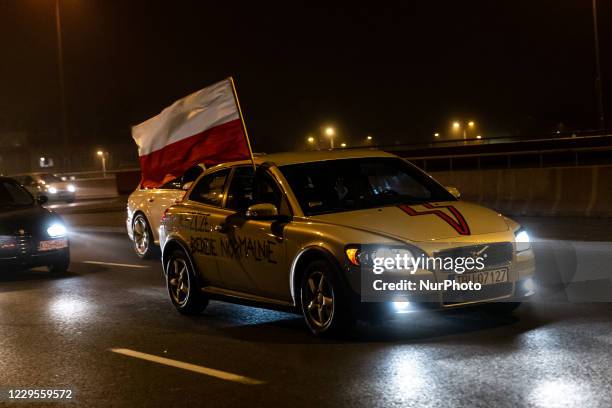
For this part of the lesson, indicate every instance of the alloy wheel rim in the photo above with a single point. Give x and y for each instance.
(141, 236)
(178, 281)
(319, 299)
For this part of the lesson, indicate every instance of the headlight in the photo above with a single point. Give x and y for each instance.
(56, 231)
(71, 188)
(522, 240)
(52, 190)
(529, 286)
(401, 307)
(374, 256)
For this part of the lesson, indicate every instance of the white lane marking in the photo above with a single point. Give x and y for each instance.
(116, 264)
(223, 375)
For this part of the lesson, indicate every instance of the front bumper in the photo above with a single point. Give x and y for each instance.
(33, 260)
(519, 287)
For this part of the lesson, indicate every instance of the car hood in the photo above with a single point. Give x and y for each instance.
(32, 220)
(422, 222)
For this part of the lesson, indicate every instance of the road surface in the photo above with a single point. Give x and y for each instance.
(107, 331)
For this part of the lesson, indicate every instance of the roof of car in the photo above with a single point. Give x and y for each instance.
(285, 158)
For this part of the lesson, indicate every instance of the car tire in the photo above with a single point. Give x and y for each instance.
(181, 282)
(61, 265)
(502, 307)
(324, 303)
(143, 237)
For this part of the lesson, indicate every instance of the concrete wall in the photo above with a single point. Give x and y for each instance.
(95, 188)
(119, 183)
(558, 191)
(561, 191)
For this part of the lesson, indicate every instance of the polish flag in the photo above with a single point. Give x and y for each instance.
(204, 127)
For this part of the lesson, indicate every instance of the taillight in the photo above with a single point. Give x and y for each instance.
(163, 218)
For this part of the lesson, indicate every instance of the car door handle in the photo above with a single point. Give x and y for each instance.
(224, 228)
(150, 200)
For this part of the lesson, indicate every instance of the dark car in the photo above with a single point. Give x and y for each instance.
(30, 235)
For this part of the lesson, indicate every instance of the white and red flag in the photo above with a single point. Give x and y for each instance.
(204, 127)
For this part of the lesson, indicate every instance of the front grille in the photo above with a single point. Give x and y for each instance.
(496, 254)
(24, 245)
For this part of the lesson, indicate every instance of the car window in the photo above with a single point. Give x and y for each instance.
(50, 178)
(12, 194)
(190, 175)
(353, 184)
(240, 192)
(265, 190)
(25, 180)
(209, 189)
(245, 190)
(173, 184)
(28, 181)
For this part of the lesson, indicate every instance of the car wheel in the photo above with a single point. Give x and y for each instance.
(183, 289)
(502, 307)
(143, 237)
(62, 265)
(324, 305)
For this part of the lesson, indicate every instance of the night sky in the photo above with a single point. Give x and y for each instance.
(396, 70)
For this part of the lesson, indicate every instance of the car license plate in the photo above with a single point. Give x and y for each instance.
(52, 245)
(489, 277)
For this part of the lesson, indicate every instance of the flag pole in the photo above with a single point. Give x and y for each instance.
(244, 129)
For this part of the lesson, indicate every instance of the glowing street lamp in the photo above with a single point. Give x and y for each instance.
(102, 155)
(330, 132)
(436, 134)
(463, 127)
(312, 142)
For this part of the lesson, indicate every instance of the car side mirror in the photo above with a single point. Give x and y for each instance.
(454, 191)
(262, 211)
(42, 199)
(187, 185)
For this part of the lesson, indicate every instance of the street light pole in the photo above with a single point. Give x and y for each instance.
(102, 155)
(330, 132)
(598, 81)
(60, 61)
(463, 127)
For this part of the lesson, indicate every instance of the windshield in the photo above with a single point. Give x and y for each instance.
(50, 178)
(13, 195)
(355, 184)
